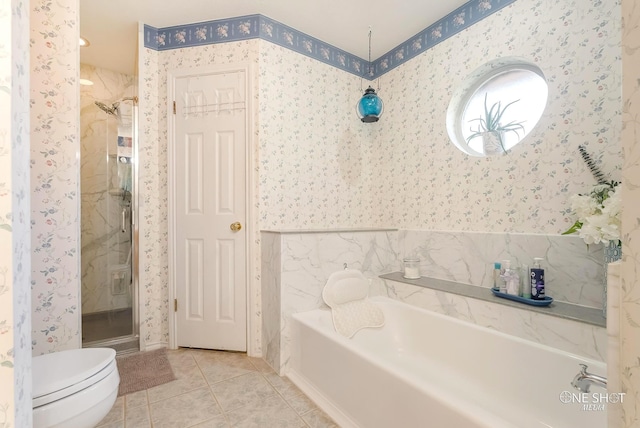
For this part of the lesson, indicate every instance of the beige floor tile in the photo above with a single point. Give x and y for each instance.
(272, 412)
(136, 399)
(219, 366)
(217, 422)
(188, 379)
(180, 357)
(246, 390)
(284, 386)
(301, 403)
(115, 414)
(117, 424)
(319, 419)
(137, 417)
(261, 365)
(184, 410)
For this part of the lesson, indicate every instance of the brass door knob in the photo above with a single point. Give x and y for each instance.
(235, 226)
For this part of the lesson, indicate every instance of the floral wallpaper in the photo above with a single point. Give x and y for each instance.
(15, 322)
(630, 289)
(55, 203)
(430, 184)
(319, 167)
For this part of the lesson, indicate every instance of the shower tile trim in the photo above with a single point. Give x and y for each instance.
(265, 28)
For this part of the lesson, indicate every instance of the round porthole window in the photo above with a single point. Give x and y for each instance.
(497, 106)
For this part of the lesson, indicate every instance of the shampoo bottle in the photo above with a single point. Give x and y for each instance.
(537, 280)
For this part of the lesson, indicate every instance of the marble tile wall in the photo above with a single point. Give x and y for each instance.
(574, 273)
(614, 410)
(15, 234)
(271, 296)
(306, 262)
(105, 248)
(630, 274)
(55, 170)
(571, 336)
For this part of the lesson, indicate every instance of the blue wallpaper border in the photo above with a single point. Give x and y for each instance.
(259, 26)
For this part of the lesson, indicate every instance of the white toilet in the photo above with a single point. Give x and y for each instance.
(74, 389)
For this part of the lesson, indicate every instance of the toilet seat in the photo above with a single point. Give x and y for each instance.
(75, 370)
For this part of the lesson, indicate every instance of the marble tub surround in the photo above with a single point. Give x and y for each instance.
(299, 264)
(296, 266)
(557, 309)
(572, 336)
(574, 273)
(614, 411)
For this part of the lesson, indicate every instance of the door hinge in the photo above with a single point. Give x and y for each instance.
(175, 305)
(174, 107)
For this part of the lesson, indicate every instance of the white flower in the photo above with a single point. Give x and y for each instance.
(598, 214)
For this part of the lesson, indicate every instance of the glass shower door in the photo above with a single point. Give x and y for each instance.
(107, 185)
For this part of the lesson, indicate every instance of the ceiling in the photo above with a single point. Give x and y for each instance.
(111, 25)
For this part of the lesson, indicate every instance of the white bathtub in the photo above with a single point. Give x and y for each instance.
(424, 369)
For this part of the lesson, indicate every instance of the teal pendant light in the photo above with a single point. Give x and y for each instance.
(370, 106)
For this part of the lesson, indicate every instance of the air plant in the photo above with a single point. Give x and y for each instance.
(491, 122)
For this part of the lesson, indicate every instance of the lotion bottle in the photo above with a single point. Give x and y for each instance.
(496, 275)
(537, 280)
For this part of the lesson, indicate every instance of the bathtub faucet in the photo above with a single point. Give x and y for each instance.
(583, 380)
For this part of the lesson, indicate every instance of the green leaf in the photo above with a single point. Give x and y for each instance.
(7, 364)
(6, 227)
(573, 229)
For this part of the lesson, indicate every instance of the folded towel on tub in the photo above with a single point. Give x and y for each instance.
(346, 294)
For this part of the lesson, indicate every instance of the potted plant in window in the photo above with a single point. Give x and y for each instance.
(491, 130)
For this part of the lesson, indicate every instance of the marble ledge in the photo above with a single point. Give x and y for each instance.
(300, 231)
(564, 310)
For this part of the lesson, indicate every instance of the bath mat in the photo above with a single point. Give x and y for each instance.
(143, 370)
(346, 294)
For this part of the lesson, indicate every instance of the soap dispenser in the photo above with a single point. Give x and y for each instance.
(511, 280)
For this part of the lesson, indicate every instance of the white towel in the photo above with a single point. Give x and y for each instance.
(346, 294)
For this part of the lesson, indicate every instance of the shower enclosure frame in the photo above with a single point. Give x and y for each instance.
(132, 342)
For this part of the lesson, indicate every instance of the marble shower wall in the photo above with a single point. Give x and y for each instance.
(630, 274)
(574, 273)
(55, 170)
(15, 234)
(431, 185)
(105, 248)
(296, 266)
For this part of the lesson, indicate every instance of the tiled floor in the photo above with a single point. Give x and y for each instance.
(217, 389)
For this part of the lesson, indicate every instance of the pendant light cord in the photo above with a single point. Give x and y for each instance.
(370, 72)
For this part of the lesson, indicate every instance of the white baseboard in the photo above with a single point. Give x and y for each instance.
(152, 346)
(320, 400)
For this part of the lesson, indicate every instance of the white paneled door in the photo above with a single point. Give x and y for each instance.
(209, 203)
